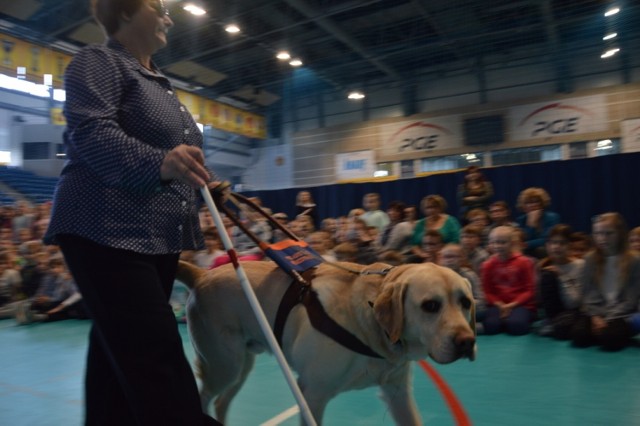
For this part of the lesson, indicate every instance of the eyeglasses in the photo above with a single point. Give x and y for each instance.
(160, 8)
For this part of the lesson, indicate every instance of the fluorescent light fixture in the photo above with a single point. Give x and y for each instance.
(604, 144)
(609, 53)
(59, 95)
(194, 10)
(61, 155)
(295, 62)
(610, 36)
(380, 173)
(612, 11)
(24, 86)
(283, 55)
(5, 157)
(355, 95)
(232, 28)
(472, 158)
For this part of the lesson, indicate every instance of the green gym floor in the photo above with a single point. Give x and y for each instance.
(527, 380)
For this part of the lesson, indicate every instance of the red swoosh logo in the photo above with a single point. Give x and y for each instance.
(420, 124)
(555, 106)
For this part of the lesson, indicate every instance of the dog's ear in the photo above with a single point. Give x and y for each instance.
(389, 309)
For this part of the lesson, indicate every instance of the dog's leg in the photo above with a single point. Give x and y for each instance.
(398, 394)
(224, 400)
(316, 401)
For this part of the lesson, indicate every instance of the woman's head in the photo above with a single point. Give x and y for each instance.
(303, 198)
(433, 205)
(533, 199)
(473, 174)
(111, 14)
(610, 234)
(395, 210)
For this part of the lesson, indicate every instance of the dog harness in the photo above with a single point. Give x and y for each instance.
(299, 292)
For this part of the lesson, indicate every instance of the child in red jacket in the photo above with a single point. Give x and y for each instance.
(508, 281)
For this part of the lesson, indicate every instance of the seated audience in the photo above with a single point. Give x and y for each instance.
(537, 220)
(452, 256)
(396, 236)
(610, 288)
(559, 284)
(470, 240)
(320, 241)
(509, 286)
(580, 244)
(434, 207)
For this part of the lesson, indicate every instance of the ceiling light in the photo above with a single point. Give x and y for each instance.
(604, 144)
(609, 53)
(232, 28)
(355, 95)
(283, 55)
(612, 11)
(610, 36)
(295, 62)
(380, 173)
(194, 10)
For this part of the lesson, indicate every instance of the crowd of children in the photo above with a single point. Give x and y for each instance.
(531, 271)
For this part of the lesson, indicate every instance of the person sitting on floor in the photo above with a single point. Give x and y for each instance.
(509, 286)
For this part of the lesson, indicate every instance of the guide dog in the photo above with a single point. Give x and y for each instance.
(410, 313)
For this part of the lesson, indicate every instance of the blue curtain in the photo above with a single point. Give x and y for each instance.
(579, 189)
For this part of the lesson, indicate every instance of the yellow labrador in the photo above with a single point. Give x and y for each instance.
(412, 312)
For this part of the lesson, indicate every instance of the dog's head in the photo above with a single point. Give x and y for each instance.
(428, 309)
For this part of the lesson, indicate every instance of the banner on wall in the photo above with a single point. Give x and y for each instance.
(557, 118)
(630, 130)
(36, 60)
(421, 135)
(355, 165)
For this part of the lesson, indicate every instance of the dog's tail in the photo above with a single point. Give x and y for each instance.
(188, 273)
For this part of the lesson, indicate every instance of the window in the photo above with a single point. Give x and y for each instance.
(452, 162)
(35, 151)
(526, 155)
(606, 147)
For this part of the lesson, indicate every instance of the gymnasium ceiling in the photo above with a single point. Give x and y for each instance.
(347, 43)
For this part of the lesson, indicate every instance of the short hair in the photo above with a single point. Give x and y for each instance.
(500, 204)
(398, 206)
(478, 212)
(434, 233)
(560, 230)
(472, 229)
(108, 12)
(435, 199)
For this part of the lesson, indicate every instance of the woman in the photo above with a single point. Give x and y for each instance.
(475, 192)
(124, 209)
(611, 288)
(433, 207)
(306, 207)
(396, 236)
(537, 220)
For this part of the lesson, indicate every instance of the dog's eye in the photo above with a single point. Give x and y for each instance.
(465, 302)
(431, 306)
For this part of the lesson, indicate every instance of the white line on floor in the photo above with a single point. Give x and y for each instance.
(282, 416)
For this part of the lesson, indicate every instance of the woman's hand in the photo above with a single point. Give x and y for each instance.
(186, 164)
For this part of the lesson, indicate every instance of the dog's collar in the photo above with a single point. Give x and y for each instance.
(320, 320)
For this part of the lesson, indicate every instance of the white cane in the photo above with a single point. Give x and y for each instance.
(257, 309)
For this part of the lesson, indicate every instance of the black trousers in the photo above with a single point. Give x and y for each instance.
(136, 373)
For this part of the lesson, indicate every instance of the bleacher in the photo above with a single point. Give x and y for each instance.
(37, 189)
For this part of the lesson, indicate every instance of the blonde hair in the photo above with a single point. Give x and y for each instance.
(535, 194)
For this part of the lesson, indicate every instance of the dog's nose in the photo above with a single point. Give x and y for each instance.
(465, 344)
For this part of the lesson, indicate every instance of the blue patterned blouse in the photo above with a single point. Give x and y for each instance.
(122, 119)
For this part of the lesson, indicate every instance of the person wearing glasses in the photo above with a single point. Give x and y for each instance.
(124, 208)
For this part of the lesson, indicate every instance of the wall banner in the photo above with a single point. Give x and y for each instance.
(630, 130)
(421, 135)
(355, 165)
(557, 118)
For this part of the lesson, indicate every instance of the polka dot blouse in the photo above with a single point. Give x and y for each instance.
(121, 121)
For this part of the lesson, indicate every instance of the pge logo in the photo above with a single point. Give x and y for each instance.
(556, 125)
(418, 136)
